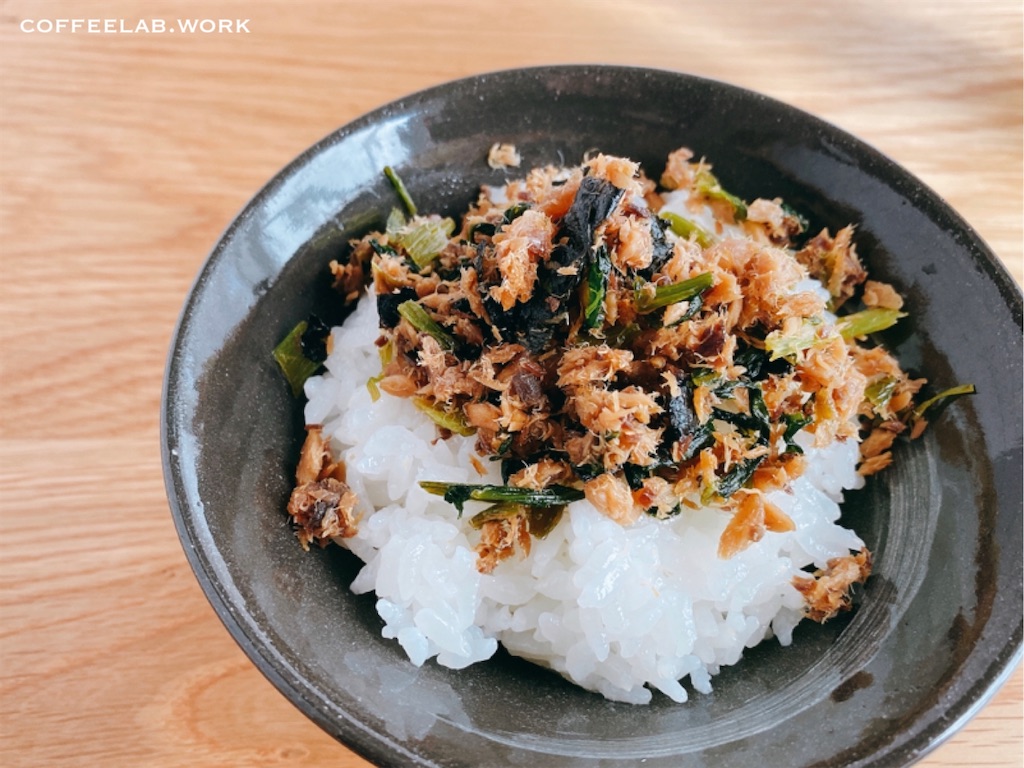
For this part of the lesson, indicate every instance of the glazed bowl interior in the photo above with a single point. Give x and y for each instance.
(936, 629)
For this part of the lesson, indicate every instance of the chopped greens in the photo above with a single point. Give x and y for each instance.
(880, 391)
(386, 352)
(453, 421)
(420, 319)
(867, 321)
(459, 493)
(294, 360)
(595, 288)
(787, 346)
(707, 184)
(939, 401)
(650, 297)
(424, 240)
(575, 354)
(687, 229)
(399, 185)
(539, 520)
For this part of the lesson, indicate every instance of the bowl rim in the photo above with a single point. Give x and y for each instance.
(371, 744)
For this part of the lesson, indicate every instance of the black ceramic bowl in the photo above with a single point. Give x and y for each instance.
(939, 625)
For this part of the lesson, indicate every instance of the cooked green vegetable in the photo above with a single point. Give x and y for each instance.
(595, 288)
(867, 321)
(707, 184)
(781, 345)
(421, 320)
(399, 185)
(663, 295)
(939, 401)
(686, 229)
(453, 421)
(386, 353)
(459, 493)
(539, 520)
(879, 392)
(421, 239)
(293, 360)
(424, 240)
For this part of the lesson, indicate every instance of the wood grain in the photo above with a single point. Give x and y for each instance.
(123, 157)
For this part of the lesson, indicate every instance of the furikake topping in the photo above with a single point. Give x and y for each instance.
(650, 347)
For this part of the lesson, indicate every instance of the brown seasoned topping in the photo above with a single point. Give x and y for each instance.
(499, 539)
(827, 592)
(322, 506)
(834, 261)
(590, 338)
(878, 294)
(611, 495)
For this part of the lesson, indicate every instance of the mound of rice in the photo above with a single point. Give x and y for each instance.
(617, 610)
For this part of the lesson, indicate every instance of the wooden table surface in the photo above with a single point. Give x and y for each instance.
(124, 155)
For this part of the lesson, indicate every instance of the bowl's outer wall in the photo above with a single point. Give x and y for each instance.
(938, 627)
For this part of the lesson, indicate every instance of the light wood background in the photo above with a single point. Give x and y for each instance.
(125, 155)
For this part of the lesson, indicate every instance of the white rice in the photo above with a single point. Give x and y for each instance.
(618, 610)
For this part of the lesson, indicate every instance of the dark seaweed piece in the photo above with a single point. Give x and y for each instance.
(535, 323)
(661, 248)
(510, 466)
(753, 359)
(594, 202)
(794, 423)
(684, 425)
(481, 228)
(387, 305)
(514, 211)
(531, 324)
(587, 472)
(682, 416)
(758, 409)
(736, 478)
(759, 363)
(757, 423)
(380, 249)
(313, 340)
(636, 474)
(697, 441)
